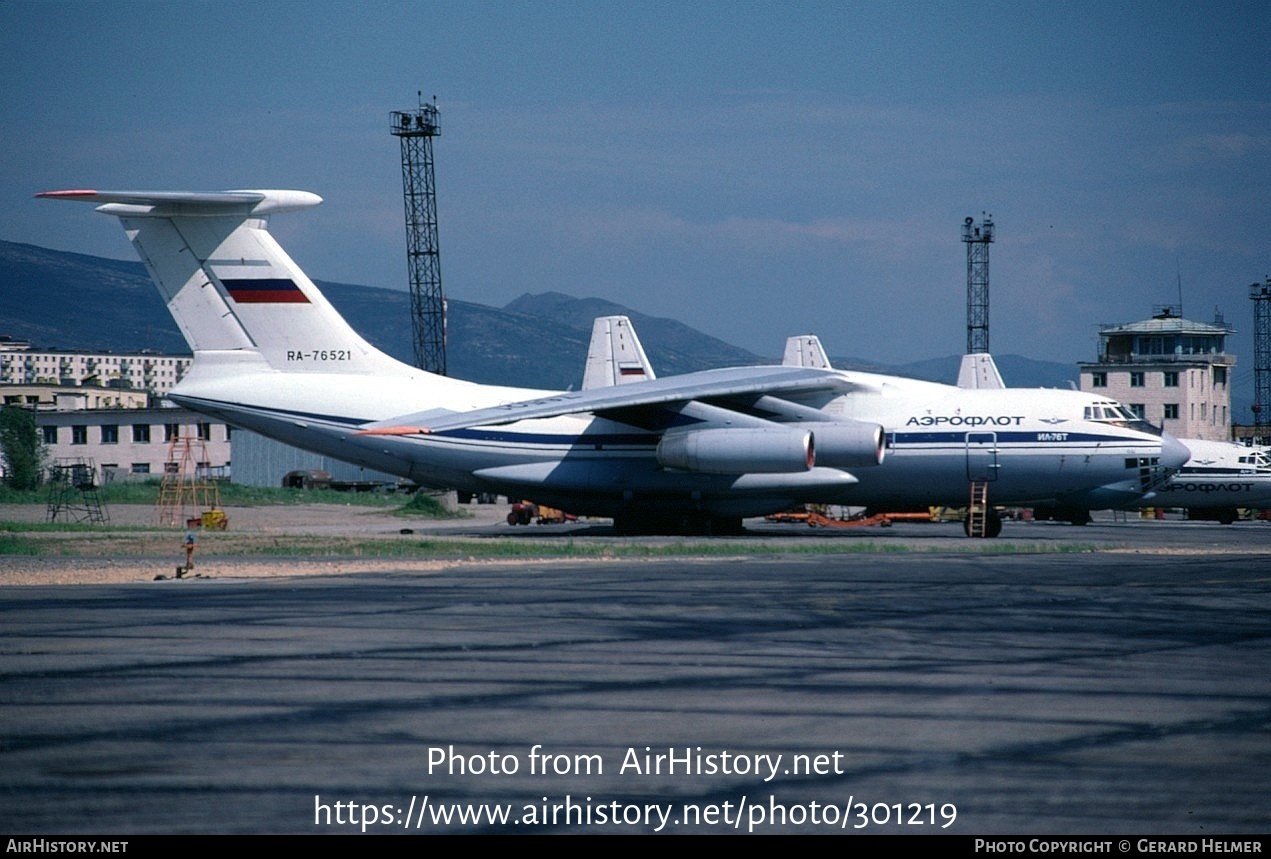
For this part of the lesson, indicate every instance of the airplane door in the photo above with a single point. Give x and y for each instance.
(981, 456)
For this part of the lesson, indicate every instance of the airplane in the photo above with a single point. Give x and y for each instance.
(696, 452)
(1028, 445)
(1219, 477)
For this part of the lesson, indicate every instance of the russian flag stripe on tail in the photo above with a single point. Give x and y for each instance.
(272, 290)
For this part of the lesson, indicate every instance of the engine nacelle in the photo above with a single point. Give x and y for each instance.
(848, 444)
(744, 450)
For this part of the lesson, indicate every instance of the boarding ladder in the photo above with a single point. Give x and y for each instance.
(977, 513)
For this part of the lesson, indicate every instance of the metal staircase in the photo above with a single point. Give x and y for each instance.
(977, 514)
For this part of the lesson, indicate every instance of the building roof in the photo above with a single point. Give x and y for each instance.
(1167, 324)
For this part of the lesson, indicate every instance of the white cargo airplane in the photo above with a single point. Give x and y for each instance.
(697, 451)
(1029, 445)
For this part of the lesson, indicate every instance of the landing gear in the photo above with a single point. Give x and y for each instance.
(992, 524)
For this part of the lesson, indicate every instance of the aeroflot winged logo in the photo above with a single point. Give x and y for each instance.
(269, 290)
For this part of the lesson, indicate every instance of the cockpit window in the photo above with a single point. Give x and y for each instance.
(1116, 414)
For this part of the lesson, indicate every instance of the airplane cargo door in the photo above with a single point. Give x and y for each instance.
(981, 457)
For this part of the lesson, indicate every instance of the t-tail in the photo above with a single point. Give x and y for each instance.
(229, 285)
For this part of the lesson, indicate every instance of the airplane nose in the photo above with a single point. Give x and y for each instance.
(1174, 454)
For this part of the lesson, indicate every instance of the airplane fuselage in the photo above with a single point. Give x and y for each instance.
(1032, 447)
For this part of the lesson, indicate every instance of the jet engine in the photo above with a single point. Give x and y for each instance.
(847, 444)
(744, 450)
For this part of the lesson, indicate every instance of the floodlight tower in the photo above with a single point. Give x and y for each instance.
(977, 241)
(1260, 293)
(416, 129)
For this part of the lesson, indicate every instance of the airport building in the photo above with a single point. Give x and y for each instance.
(1171, 371)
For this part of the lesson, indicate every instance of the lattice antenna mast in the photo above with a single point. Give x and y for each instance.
(977, 241)
(1260, 293)
(416, 129)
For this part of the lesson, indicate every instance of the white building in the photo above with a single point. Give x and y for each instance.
(140, 372)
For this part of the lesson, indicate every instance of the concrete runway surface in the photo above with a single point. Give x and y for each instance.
(1108, 692)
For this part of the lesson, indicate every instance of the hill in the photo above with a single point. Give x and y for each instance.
(60, 300)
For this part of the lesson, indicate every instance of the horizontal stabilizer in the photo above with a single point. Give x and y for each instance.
(165, 203)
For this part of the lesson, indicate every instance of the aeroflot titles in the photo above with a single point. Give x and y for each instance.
(1207, 487)
(965, 420)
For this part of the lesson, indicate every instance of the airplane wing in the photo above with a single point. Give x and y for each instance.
(708, 385)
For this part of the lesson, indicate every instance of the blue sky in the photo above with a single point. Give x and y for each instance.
(754, 169)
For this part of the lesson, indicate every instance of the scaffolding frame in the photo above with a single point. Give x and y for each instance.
(73, 491)
(187, 482)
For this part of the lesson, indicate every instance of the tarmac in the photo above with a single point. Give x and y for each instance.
(915, 682)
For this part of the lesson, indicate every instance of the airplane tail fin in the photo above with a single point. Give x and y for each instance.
(229, 285)
(805, 350)
(979, 370)
(615, 356)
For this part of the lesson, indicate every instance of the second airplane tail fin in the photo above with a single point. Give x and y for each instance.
(805, 350)
(615, 356)
(979, 371)
(228, 283)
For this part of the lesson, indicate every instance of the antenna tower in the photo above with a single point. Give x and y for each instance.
(416, 129)
(1260, 293)
(977, 241)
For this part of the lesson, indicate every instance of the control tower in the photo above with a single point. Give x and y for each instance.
(1171, 371)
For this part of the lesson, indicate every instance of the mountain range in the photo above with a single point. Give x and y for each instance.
(60, 300)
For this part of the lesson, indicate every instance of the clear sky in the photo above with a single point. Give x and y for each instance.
(753, 169)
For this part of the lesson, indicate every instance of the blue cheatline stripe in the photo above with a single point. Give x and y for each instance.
(1029, 437)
